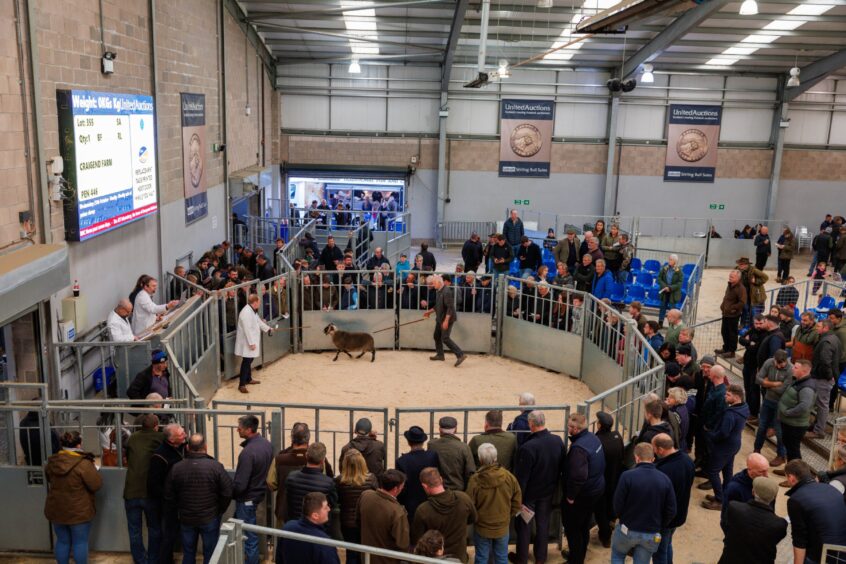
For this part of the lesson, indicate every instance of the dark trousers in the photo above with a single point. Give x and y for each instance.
(543, 510)
(603, 514)
(246, 371)
(703, 446)
(170, 531)
(761, 261)
(576, 517)
(191, 533)
(720, 464)
(353, 535)
(792, 437)
(783, 269)
(729, 329)
(751, 388)
(442, 338)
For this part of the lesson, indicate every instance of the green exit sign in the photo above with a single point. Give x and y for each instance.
(521, 202)
(717, 206)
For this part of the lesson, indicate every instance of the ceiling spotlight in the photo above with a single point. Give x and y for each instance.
(794, 77)
(647, 77)
(749, 8)
(544, 3)
(628, 85)
(355, 68)
(503, 71)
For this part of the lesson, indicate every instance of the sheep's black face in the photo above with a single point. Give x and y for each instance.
(329, 329)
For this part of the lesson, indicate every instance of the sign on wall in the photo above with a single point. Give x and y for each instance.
(525, 145)
(194, 155)
(107, 141)
(692, 136)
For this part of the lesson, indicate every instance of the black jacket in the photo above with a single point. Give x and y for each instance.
(471, 254)
(752, 533)
(614, 450)
(505, 253)
(30, 436)
(585, 469)
(826, 357)
(763, 245)
(817, 516)
(539, 465)
(772, 341)
(530, 257)
(410, 464)
(140, 386)
(648, 432)
(429, 262)
(164, 458)
(645, 499)
(251, 473)
(305, 481)
(200, 488)
(680, 469)
(329, 255)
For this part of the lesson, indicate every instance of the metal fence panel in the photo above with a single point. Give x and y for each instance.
(22, 525)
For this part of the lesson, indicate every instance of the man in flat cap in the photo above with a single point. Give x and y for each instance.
(455, 459)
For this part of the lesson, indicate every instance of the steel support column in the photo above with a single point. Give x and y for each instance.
(440, 195)
(610, 184)
(777, 139)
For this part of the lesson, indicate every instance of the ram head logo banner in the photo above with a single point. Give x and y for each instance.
(525, 146)
(692, 136)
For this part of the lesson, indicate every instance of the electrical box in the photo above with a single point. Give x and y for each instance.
(67, 332)
(74, 310)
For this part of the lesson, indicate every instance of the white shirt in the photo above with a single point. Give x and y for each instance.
(145, 312)
(119, 328)
(250, 326)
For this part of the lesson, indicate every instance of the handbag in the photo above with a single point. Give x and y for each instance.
(109, 456)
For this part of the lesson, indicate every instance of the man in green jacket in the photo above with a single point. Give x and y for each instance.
(446, 511)
(455, 459)
(505, 442)
(670, 280)
(139, 450)
(794, 408)
(496, 495)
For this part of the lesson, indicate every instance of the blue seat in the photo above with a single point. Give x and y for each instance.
(636, 264)
(618, 292)
(635, 293)
(824, 306)
(652, 297)
(688, 269)
(652, 266)
(796, 315)
(645, 279)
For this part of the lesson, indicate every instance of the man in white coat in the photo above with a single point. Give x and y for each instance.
(248, 340)
(147, 311)
(120, 331)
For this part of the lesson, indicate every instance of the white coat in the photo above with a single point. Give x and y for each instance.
(145, 312)
(119, 329)
(250, 326)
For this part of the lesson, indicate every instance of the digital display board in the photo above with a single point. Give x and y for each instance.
(107, 141)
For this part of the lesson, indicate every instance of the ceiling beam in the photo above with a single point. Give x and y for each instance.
(452, 42)
(262, 15)
(352, 37)
(672, 33)
(815, 73)
(306, 58)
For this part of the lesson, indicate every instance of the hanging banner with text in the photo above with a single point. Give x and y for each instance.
(692, 136)
(194, 155)
(525, 145)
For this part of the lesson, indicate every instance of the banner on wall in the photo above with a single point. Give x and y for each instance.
(194, 155)
(525, 145)
(692, 136)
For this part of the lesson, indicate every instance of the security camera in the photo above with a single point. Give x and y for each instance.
(109, 62)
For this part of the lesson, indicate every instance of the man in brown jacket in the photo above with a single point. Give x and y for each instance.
(505, 442)
(497, 497)
(365, 442)
(732, 307)
(446, 511)
(382, 519)
(456, 460)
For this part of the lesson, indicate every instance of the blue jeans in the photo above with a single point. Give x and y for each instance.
(526, 272)
(665, 305)
(247, 514)
(621, 275)
(643, 544)
(767, 418)
(485, 546)
(190, 533)
(665, 549)
(135, 508)
(72, 537)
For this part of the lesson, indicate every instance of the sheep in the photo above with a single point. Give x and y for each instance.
(345, 341)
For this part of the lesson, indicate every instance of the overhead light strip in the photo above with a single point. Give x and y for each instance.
(361, 23)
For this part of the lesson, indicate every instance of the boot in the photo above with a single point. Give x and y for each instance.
(436, 357)
(705, 485)
(712, 505)
(777, 461)
(243, 389)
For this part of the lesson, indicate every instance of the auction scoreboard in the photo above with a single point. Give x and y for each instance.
(107, 141)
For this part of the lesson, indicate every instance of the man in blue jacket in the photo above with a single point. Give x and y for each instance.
(584, 482)
(520, 425)
(540, 461)
(513, 231)
(646, 505)
(679, 468)
(739, 488)
(315, 516)
(817, 513)
(603, 281)
(250, 480)
(724, 441)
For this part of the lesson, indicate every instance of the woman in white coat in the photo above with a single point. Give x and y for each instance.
(248, 339)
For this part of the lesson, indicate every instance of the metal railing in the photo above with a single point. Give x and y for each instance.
(541, 221)
(457, 232)
(230, 546)
(348, 219)
(833, 554)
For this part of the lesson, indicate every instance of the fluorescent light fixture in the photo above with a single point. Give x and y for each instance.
(748, 8)
(783, 25)
(544, 3)
(794, 77)
(355, 68)
(361, 23)
(722, 61)
(739, 51)
(647, 77)
(504, 71)
(810, 9)
(759, 38)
